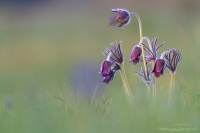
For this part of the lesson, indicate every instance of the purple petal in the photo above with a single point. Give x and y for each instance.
(160, 64)
(125, 22)
(136, 61)
(119, 18)
(159, 68)
(109, 77)
(136, 52)
(157, 74)
(105, 68)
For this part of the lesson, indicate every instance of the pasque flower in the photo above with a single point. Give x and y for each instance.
(119, 18)
(112, 63)
(159, 67)
(172, 58)
(136, 55)
(108, 70)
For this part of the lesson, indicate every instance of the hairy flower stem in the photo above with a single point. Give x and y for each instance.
(154, 88)
(140, 25)
(153, 63)
(153, 84)
(171, 86)
(141, 40)
(125, 83)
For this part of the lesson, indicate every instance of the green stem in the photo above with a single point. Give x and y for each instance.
(153, 63)
(153, 84)
(140, 24)
(148, 91)
(154, 88)
(144, 62)
(171, 86)
(125, 83)
(141, 40)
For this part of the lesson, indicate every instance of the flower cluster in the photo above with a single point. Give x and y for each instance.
(140, 53)
(112, 63)
(159, 63)
(169, 59)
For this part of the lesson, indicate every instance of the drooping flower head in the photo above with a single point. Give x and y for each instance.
(159, 67)
(152, 53)
(136, 55)
(112, 63)
(108, 70)
(119, 18)
(172, 57)
(145, 78)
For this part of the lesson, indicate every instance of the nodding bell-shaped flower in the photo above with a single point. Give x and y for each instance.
(112, 63)
(159, 67)
(119, 18)
(152, 53)
(136, 55)
(105, 68)
(172, 58)
(145, 78)
(108, 70)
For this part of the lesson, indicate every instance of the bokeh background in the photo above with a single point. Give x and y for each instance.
(46, 45)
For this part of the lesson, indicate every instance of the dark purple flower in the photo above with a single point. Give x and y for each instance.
(105, 68)
(172, 58)
(108, 70)
(159, 67)
(119, 18)
(112, 63)
(109, 77)
(136, 55)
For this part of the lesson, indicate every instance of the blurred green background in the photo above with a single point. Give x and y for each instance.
(50, 45)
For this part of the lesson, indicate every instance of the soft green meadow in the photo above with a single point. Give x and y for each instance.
(51, 55)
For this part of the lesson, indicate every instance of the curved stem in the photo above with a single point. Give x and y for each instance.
(125, 83)
(140, 24)
(144, 61)
(141, 40)
(171, 86)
